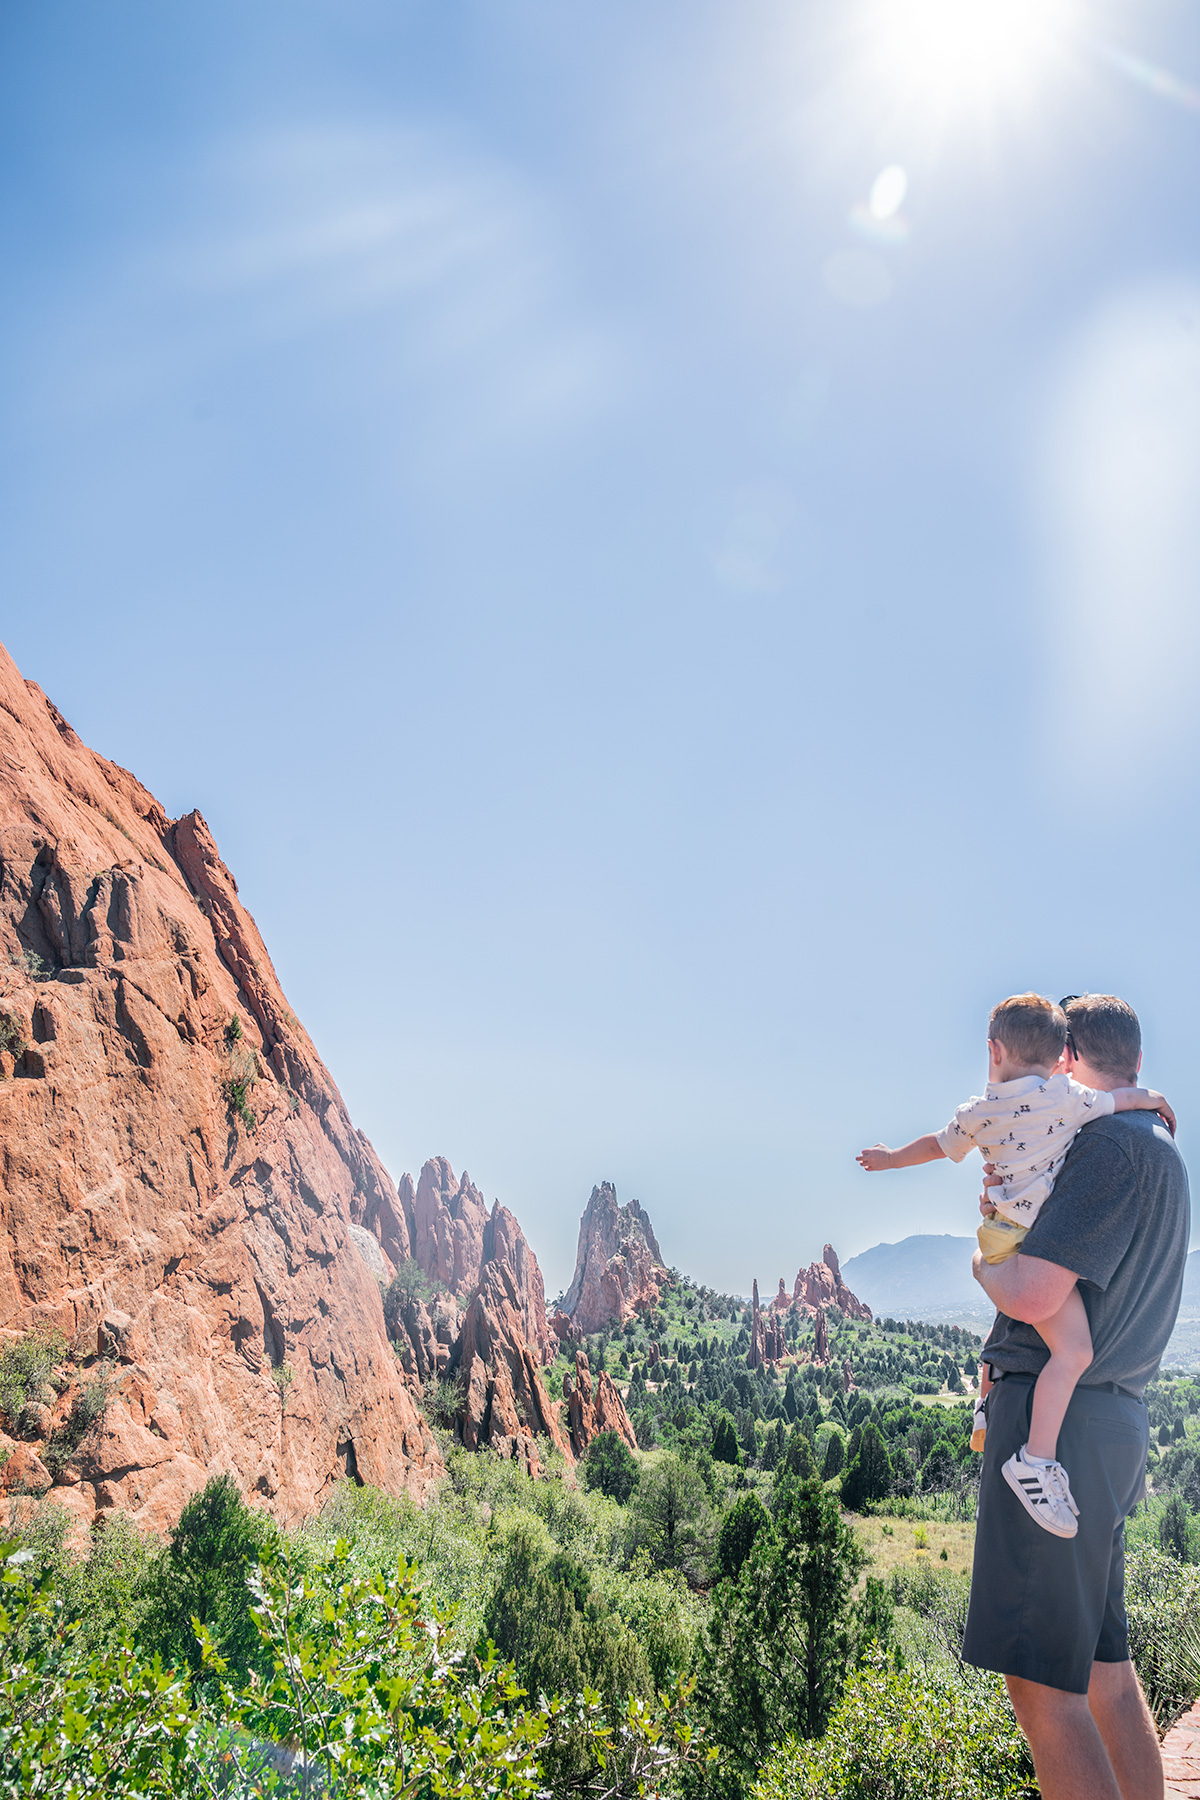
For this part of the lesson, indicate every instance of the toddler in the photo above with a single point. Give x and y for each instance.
(1024, 1123)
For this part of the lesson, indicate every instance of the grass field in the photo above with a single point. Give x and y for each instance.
(898, 1543)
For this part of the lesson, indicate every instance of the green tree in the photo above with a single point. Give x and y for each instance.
(739, 1528)
(725, 1444)
(669, 1516)
(216, 1544)
(780, 1638)
(798, 1463)
(611, 1466)
(835, 1457)
(870, 1474)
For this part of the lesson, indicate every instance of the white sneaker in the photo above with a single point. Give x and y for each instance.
(1045, 1493)
(978, 1426)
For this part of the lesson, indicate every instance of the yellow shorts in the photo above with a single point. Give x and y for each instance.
(999, 1240)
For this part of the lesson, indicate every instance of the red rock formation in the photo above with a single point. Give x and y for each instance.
(847, 1376)
(783, 1299)
(505, 1400)
(821, 1339)
(821, 1284)
(766, 1336)
(179, 1172)
(594, 1407)
(618, 1266)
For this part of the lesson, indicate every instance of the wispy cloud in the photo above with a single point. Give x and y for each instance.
(1120, 478)
(412, 256)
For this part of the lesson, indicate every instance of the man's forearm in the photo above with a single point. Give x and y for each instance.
(1024, 1287)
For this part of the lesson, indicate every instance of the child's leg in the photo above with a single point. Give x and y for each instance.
(1068, 1338)
(979, 1424)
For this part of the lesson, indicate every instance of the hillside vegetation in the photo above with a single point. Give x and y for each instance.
(765, 1599)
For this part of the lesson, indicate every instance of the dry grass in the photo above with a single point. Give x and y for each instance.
(896, 1544)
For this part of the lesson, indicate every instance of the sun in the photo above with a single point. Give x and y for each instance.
(969, 49)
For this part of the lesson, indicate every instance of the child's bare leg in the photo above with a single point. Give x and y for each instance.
(1068, 1338)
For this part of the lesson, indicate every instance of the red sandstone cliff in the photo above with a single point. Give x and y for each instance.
(176, 1159)
(618, 1266)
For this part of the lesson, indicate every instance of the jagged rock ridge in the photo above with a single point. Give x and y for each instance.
(618, 1265)
(181, 1180)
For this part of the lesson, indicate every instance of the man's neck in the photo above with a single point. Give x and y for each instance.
(1083, 1073)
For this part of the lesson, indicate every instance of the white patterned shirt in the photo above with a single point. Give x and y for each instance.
(1025, 1127)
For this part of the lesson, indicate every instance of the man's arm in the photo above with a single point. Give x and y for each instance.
(909, 1156)
(1024, 1287)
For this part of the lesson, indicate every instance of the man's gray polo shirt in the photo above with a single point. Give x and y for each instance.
(1119, 1218)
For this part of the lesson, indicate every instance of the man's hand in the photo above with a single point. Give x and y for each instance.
(877, 1157)
(990, 1180)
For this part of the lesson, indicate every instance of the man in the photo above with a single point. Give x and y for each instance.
(1049, 1612)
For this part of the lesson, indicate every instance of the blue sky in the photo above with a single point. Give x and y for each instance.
(662, 646)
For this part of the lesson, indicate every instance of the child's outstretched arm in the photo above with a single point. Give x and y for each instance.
(921, 1150)
(1143, 1100)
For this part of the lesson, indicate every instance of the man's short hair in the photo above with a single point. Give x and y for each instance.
(1105, 1034)
(1031, 1028)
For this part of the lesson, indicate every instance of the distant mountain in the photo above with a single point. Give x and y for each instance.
(921, 1278)
(930, 1278)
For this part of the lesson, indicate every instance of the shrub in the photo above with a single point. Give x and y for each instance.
(907, 1734)
(12, 1034)
(835, 1457)
(25, 1370)
(1162, 1599)
(611, 1466)
(216, 1544)
(87, 1411)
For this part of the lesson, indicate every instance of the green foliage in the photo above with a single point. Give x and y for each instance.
(798, 1462)
(835, 1457)
(362, 1688)
(233, 1032)
(869, 1476)
(283, 1378)
(444, 1400)
(781, 1637)
(26, 1366)
(669, 1517)
(610, 1466)
(724, 1439)
(739, 1528)
(12, 1034)
(408, 1285)
(907, 1734)
(241, 1076)
(213, 1549)
(1163, 1605)
(87, 1411)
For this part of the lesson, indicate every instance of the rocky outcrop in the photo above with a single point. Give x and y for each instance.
(594, 1406)
(766, 1336)
(821, 1340)
(179, 1179)
(505, 1403)
(618, 1266)
(821, 1285)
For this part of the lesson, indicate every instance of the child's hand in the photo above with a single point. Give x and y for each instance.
(877, 1157)
(1164, 1111)
(990, 1180)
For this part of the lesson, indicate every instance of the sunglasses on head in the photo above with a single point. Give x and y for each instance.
(1064, 1003)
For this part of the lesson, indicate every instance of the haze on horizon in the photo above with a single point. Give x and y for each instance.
(662, 543)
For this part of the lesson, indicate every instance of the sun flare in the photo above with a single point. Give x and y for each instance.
(965, 48)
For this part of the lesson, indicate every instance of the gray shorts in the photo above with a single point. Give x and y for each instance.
(1042, 1607)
